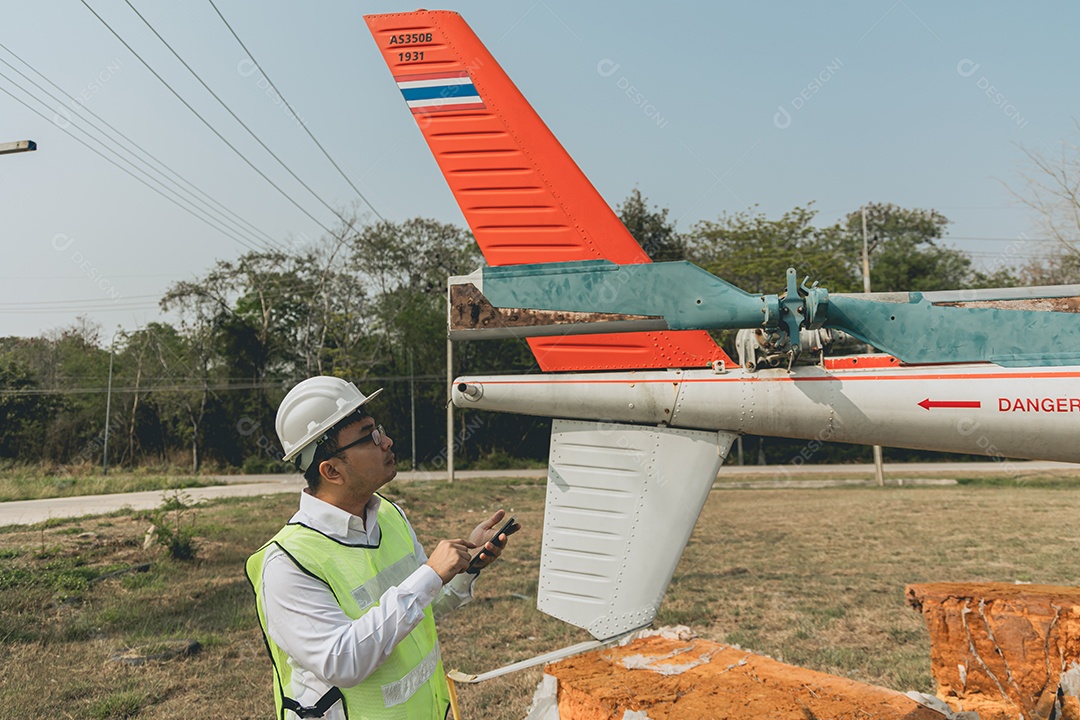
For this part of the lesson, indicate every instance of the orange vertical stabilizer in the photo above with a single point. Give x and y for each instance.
(523, 196)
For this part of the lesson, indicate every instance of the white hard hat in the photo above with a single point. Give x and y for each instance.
(310, 409)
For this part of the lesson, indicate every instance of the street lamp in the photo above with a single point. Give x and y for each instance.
(108, 408)
(17, 147)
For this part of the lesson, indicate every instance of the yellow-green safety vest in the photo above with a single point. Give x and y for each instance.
(410, 683)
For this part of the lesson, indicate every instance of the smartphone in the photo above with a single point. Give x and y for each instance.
(473, 568)
(504, 530)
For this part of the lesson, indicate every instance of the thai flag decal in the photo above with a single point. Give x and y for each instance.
(438, 92)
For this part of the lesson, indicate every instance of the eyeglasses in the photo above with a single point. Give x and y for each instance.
(375, 437)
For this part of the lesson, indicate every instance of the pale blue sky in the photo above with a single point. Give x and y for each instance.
(707, 107)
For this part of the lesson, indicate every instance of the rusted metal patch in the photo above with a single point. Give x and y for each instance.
(1056, 304)
(470, 310)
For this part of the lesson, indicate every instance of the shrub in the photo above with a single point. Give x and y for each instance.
(169, 527)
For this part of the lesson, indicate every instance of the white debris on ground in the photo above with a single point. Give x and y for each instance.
(657, 664)
(1069, 684)
(676, 632)
(545, 703)
(932, 703)
(1070, 681)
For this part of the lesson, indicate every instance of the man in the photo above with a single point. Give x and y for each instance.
(346, 596)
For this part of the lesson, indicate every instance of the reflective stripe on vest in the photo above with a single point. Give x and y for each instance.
(366, 595)
(410, 682)
(398, 692)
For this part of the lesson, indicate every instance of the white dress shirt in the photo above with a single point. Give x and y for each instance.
(325, 647)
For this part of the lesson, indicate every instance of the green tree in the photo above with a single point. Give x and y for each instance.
(255, 305)
(752, 252)
(26, 411)
(330, 340)
(418, 255)
(906, 254)
(656, 235)
(188, 357)
(406, 266)
(903, 249)
(75, 359)
(159, 368)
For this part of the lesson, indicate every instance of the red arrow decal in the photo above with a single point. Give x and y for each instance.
(928, 404)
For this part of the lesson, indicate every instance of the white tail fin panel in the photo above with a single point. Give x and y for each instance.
(622, 501)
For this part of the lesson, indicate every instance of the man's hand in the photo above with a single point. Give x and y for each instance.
(450, 558)
(484, 536)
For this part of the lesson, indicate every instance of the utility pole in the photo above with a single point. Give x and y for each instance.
(879, 464)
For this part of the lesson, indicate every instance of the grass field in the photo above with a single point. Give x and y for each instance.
(813, 577)
(31, 484)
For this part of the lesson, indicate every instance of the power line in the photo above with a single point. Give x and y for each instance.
(238, 227)
(236, 117)
(1000, 239)
(98, 310)
(143, 389)
(109, 160)
(1018, 256)
(160, 162)
(290, 107)
(206, 122)
(67, 302)
(98, 307)
(79, 275)
(217, 387)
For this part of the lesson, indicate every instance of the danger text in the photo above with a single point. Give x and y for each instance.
(1045, 404)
